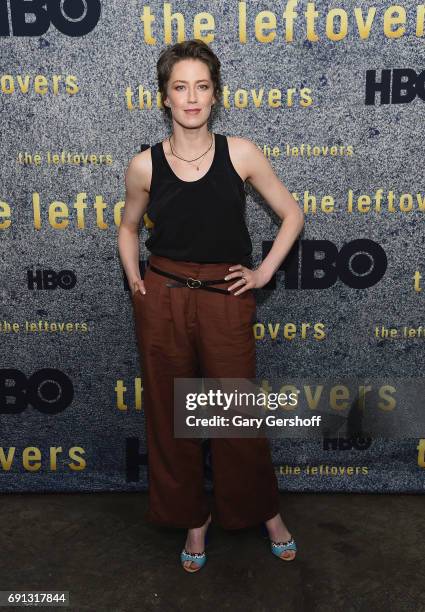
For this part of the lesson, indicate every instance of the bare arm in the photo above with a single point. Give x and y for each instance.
(137, 178)
(262, 177)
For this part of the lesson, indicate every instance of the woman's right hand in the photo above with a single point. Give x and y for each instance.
(138, 285)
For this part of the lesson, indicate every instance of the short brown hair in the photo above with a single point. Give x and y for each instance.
(188, 49)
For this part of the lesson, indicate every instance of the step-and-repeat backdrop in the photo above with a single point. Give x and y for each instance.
(333, 94)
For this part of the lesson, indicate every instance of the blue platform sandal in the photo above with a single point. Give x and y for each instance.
(278, 548)
(198, 558)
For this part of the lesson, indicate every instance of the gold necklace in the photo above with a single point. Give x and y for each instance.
(192, 160)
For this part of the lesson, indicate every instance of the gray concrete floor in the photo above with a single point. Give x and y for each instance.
(356, 553)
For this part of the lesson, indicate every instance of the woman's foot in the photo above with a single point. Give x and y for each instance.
(195, 543)
(279, 533)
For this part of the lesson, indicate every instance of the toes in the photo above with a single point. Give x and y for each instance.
(190, 564)
(288, 554)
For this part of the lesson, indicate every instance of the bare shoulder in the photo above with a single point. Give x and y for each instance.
(139, 170)
(244, 153)
(242, 147)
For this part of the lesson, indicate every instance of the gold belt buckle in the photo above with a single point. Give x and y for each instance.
(194, 280)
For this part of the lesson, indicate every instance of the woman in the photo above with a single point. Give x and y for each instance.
(190, 188)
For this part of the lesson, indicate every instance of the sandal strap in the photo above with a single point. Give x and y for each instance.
(289, 545)
(193, 555)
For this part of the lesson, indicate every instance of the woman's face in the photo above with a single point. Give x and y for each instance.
(190, 87)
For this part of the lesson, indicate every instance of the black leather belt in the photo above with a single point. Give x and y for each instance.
(192, 283)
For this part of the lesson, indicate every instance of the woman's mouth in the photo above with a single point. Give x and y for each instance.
(192, 111)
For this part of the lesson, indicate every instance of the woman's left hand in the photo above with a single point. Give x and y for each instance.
(247, 279)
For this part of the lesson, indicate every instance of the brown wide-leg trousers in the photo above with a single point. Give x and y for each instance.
(185, 332)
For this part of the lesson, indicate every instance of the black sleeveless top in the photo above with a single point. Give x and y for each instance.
(203, 220)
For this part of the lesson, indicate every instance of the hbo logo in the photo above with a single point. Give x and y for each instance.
(353, 443)
(49, 279)
(359, 264)
(48, 390)
(397, 86)
(71, 17)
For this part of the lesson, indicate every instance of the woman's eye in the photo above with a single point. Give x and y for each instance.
(178, 86)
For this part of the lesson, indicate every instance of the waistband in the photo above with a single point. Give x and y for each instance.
(205, 271)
